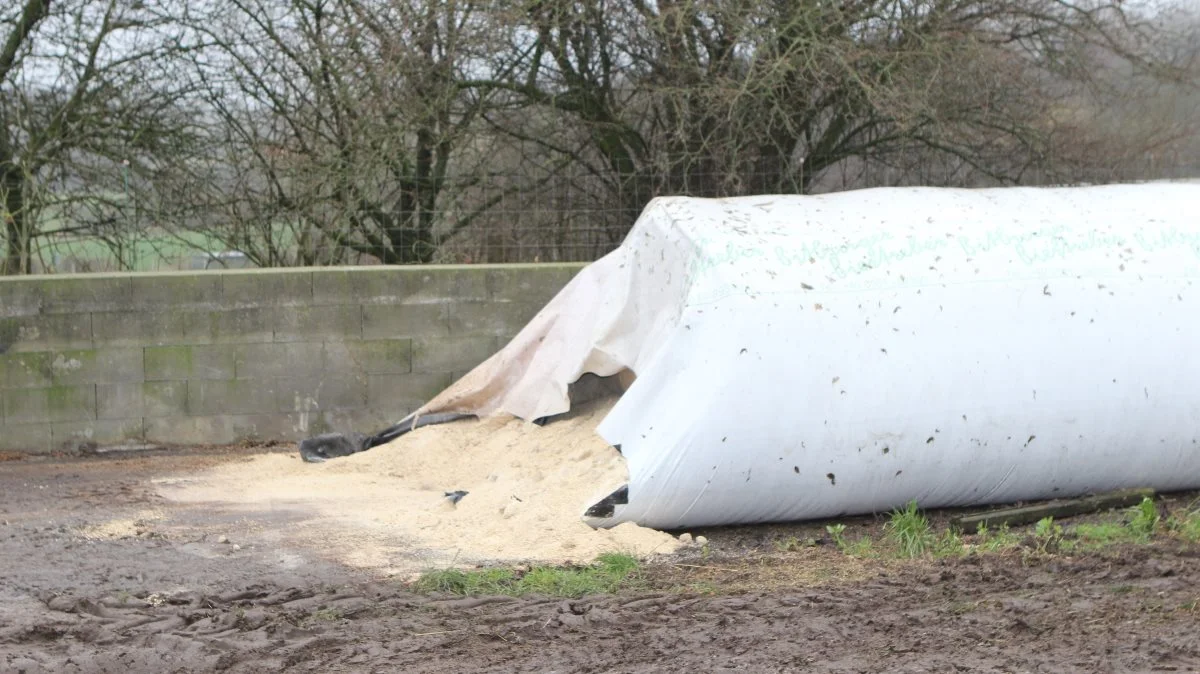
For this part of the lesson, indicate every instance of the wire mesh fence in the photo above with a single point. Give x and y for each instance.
(561, 217)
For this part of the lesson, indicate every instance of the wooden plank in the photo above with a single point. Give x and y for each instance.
(1057, 509)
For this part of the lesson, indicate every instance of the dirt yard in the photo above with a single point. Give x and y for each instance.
(102, 574)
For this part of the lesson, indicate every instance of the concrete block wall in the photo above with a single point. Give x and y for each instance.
(218, 357)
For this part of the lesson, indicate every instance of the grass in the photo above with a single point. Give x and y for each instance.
(1048, 536)
(995, 541)
(1144, 519)
(610, 573)
(909, 535)
(1185, 524)
(909, 531)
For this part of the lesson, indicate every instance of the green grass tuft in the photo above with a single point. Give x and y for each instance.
(611, 572)
(1144, 519)
(1048, 535)
(910, 531)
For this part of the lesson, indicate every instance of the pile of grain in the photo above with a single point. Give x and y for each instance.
(385, 509)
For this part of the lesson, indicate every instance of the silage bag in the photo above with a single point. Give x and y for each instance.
(802, 357)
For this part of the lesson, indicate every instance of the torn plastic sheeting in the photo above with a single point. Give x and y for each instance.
(806, 357)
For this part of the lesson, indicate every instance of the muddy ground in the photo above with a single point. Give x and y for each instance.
(79, 593)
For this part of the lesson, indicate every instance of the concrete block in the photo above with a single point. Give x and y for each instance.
(214, 430)
(223, 429)
(20, 296)
(308, 324)
(412, 320)
(278, 427)
(416, 284)
(380, 356)
(151, 327)
(530, 283)
(267, 288)
(46, 332)
(144, 399)
(68, 434)
(365, 421)
(223, 326)
(279, 359)
(81, 366)
(63, 294)
(452, 354)
(399, 394)
(83, 293)
(204, 361)
(56, 403)
(207, 397)
(327, 392)
(199, 289)
(34, 437)
(489, 318)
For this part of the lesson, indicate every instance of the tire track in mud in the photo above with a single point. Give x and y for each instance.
(1126, 613)
(150, 603)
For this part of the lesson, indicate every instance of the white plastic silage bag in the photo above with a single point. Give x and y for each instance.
(814, 356)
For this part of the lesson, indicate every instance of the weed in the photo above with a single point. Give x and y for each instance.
(792, 544)
(910, 531)
(863, 547)
(327, 614)
(1186, 525)
(1048, 535)
(993, 541)
(1144, 519)
(1094, 536)
(610, 573)
(949, 544)
(837, 533)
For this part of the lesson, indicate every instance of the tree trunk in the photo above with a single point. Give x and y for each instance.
(17, 252)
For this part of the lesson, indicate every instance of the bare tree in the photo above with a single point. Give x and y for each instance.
(720, 97)
(341, 127)
(88, 104)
